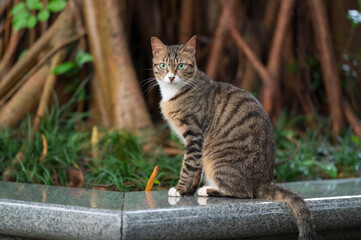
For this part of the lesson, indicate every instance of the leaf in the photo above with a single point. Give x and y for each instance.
(34, 4)
(63, 68)
(151, 179)
(355, 139)
(20, 20)
(330, 169)
(43, 15)
(83, 57)
(19, 24)
(288, 133)
(32, 20)
(45, 148)
(308, 163)
(23, 15)
(56, 5)
(18, 8)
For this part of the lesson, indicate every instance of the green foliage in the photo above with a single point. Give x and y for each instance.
(34, 4)
(124, 164)
(121, 160)
(56, 5)
(317, 155)
(73, 67)
(43, 15)
(82, 57)
(27, 14)
(64, 68)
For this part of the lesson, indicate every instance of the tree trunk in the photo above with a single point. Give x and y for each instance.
(24, 69)
(125, 105)
(25, 100)
(186, 19)
(226, 19)
(270, 93)
(328, 63)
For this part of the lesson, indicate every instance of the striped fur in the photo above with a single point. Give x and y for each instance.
(225, 131)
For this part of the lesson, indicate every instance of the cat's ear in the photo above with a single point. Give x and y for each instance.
(190, 46)
(157, 46)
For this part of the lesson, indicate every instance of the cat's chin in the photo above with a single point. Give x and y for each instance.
(171, 84)
(169, 90)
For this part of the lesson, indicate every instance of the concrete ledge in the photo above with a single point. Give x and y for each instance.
(44, 212)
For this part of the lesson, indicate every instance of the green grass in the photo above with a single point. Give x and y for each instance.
(316, 155)
(123, 163)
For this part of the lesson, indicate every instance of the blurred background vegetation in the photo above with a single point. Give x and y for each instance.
(79, 104)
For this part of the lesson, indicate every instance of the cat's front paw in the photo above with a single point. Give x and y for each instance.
(173, 192)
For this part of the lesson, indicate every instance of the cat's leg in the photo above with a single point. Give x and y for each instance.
(224, 182)
(208, 191)
(191, 171)
(196, 181)
(240, 191)
(189, 180)
(211, 189)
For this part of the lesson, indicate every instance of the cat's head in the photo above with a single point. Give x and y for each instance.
(174, 65)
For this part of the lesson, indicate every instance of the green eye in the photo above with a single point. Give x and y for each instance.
(181, 66)
(163, 66)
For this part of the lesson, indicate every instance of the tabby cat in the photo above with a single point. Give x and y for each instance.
(226, 134)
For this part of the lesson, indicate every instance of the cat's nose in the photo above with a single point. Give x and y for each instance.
(171, 79)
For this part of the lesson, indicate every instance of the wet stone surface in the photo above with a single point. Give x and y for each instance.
(45, 212)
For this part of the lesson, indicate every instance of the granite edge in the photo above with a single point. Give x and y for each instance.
(266, 218)
(21, 218)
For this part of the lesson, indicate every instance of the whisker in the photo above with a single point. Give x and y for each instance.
(151, 87)
(151, 78)
(193, 85)
(148, 80)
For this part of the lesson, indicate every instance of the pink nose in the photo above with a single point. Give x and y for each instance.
(171, 79)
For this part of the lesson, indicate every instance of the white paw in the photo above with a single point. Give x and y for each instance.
(173, 200)
(202, 192)
(173, 192)
(202, 201)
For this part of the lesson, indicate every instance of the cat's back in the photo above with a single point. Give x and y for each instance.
(241, 130)
(237, 108)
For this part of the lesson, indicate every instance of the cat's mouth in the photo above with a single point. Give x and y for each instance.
(171, 80)
(172, 83)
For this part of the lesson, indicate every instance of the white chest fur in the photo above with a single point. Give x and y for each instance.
(174, 128)
(167, 107)
(168, 90)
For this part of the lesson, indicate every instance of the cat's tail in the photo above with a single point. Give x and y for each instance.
(299, 208)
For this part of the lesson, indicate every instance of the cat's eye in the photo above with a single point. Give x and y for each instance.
(163, 66)
(181, 66)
